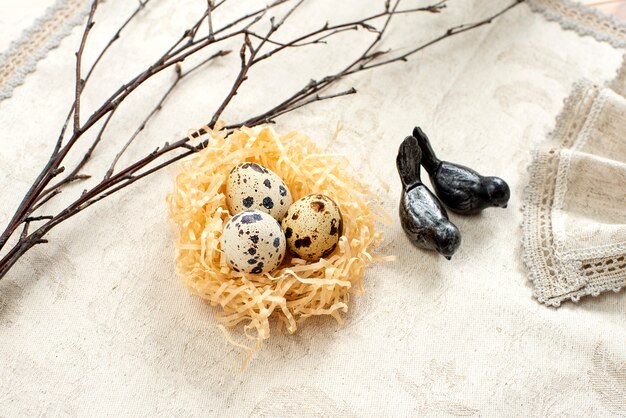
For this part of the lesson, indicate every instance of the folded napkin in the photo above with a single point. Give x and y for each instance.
(574, 230)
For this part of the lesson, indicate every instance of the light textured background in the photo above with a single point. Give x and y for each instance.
(96, 322)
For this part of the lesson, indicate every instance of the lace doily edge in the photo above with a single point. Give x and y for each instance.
(618, 83)
(555, 302)
(542, 290)
(578, 27)
(30, 65)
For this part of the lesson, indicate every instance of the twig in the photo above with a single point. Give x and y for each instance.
(209, 18)
(44, 200)
(79, 55)
(254, 48)
(74, 175)
(180, 75)
(358, 65)
(363, 23)
(141, 127)
(109, 105)
(316, 98)
(245, 66)
(449, 33)
(141, 5)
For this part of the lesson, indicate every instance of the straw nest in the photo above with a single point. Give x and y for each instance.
(297, 289)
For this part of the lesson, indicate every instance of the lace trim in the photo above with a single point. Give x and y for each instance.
(545, 269)
(560, 190)
(618, 84)
(583, 20)
(568, 125)
(603, 272)
(596, 252)
(46, 33)
(557, 276)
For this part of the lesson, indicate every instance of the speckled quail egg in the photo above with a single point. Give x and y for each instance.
(252, 186)
(313, 226)
(253, 242)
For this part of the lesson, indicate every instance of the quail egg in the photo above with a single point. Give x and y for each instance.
(252, 186)
(253, 242)
(313, 226)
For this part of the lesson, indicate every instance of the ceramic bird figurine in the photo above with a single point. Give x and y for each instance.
(460, 188)
(422, 216)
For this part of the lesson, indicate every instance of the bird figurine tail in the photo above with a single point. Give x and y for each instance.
(408, 163)
(429, 159)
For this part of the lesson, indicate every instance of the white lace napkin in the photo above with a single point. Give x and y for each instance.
(575, 210)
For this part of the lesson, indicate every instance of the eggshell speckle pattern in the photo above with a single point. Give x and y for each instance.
(252, 186)
(313, 226)
(253, 242)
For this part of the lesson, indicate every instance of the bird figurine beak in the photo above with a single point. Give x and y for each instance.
(448, 257)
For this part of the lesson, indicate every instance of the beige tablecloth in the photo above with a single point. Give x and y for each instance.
(95, 323)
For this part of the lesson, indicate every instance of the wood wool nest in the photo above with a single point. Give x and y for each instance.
(297, 290)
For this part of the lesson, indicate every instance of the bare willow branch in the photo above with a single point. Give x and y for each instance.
(179, 75)
(79, 56)
(255, 47)
(210, 18)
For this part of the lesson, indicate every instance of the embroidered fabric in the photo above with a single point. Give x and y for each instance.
(46, 33)
(574, 228)
(583, 20)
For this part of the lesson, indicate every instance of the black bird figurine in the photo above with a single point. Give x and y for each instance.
(422, 216)
(460, 188)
